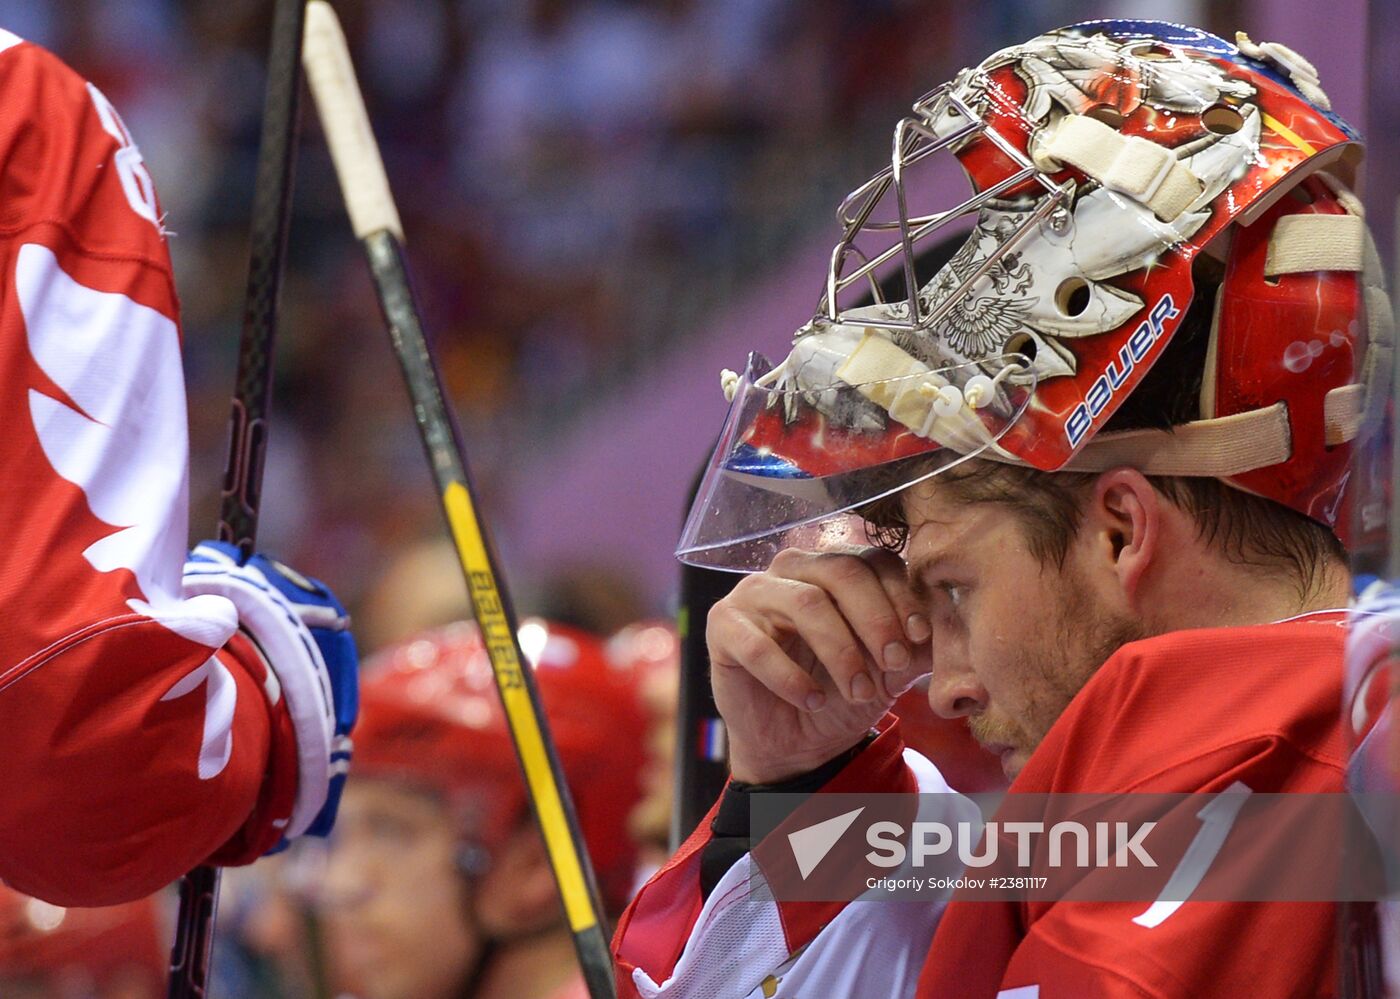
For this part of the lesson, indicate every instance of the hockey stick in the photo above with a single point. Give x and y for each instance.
(702, 764)
(375, 220)
(242, 490)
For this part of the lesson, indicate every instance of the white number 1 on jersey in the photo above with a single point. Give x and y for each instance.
(1217, 818)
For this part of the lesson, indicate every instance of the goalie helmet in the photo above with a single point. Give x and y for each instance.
(431, 717)
(1104, 160)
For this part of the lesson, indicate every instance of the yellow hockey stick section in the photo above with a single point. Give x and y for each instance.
(520, 712)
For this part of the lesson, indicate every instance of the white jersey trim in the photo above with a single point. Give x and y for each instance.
(739, 948)
(8, 39)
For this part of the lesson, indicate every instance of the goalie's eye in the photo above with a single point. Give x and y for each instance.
(946, 597)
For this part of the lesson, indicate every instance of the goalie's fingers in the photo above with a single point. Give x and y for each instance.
(868, 594)
(892, 572)
(781, 606)
(738, 643)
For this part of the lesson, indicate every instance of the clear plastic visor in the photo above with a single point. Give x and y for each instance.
(785, 472)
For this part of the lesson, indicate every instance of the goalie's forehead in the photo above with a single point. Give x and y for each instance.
(943, 517)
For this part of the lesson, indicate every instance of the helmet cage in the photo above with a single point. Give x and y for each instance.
(915, 140)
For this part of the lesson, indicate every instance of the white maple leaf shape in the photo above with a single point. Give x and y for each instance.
(125, 446)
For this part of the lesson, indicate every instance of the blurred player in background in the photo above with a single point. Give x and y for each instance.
(652, 650)
(438, 885)
(49, 952)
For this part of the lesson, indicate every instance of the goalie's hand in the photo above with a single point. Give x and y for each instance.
(303, 632)
(808, 655)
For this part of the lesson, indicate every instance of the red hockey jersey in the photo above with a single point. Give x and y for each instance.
(1192, 711)
(136, 734)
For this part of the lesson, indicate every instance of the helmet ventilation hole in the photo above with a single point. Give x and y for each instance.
(1106, 113)
(1023, 344)
(1222, 120)
(1072, 297)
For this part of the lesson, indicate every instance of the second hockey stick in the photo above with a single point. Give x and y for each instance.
(375, 220)
(190, 959)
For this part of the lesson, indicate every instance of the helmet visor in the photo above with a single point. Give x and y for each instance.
(783, 472)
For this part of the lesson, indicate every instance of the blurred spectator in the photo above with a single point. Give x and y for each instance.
(653, 650)
(421, 588)
(595, 597)
(438, 885)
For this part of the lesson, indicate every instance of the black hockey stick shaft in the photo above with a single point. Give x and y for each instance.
(702, 765)
(272, 209)
(375, 221)
(191, 957)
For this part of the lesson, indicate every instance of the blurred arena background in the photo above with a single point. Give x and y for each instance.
(606, 201)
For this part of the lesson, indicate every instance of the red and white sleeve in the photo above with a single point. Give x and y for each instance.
(140, 738)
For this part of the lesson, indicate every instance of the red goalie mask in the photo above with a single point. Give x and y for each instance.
(1104, 159)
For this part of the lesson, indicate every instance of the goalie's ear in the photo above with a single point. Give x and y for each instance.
(1124, 528)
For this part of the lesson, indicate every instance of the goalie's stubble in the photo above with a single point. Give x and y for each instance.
(1053, 670)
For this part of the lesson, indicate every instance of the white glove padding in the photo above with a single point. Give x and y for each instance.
(1373, 634)
(1371, 685)
(281, 628)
